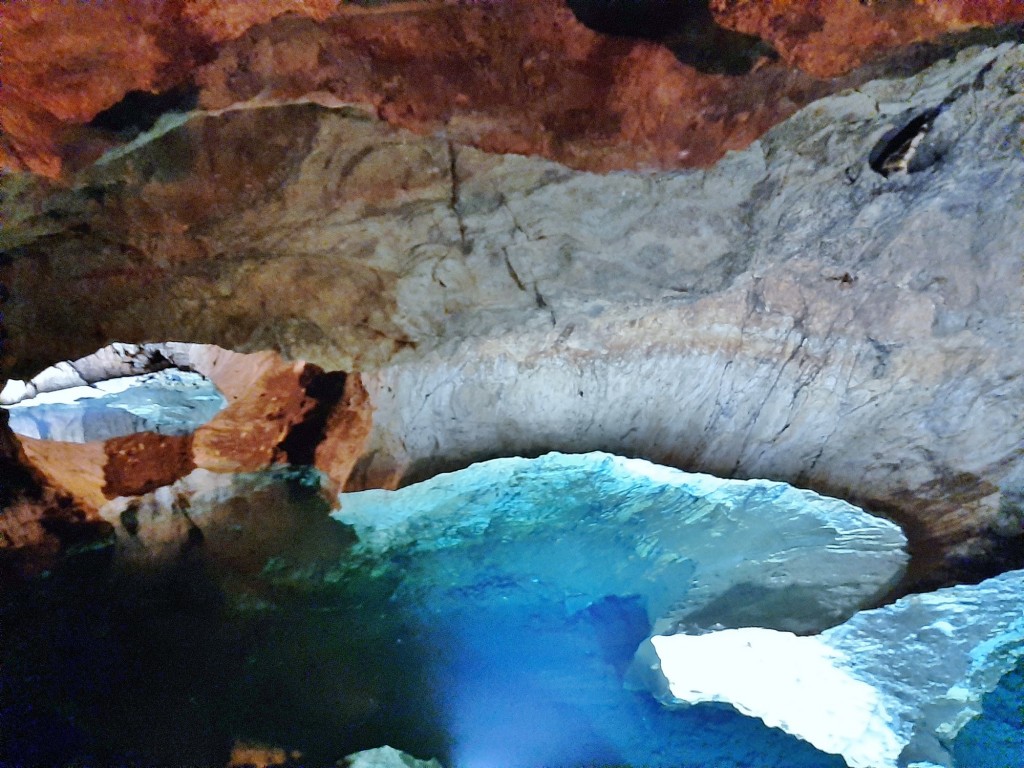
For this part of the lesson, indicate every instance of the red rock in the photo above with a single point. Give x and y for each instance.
(518, 76)
(827, 39)
(138, 464)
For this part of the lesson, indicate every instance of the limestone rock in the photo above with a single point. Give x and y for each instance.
(387, 757)
(696, 549)
(169, 403)
(889, 686)
(791, 313)
(816, 323)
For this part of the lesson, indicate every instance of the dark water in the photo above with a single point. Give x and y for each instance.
(111, 661)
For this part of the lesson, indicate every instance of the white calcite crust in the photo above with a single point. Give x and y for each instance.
(699, 550)
(889, 687)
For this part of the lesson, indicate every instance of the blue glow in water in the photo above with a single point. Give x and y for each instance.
(996, 739)
(522, 683)
(534, 582)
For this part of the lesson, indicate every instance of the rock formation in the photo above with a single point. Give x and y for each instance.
(756, 238)
(386, 757)
(830, 307)
(693, 547)
(274, 410)
(889, 687)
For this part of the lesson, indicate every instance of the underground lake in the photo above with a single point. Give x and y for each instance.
(488, 618)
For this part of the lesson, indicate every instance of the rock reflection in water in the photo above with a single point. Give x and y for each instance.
(118, 659)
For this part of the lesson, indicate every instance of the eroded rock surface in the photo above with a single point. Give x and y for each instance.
(832, 306)
(697, 550)
(504, 75)
(888, 687)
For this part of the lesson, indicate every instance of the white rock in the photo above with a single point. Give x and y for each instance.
(889, 687)
(387, 757)
(699, 550)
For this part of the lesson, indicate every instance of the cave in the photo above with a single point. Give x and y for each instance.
(519, 383)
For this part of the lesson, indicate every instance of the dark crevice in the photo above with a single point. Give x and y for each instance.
(326, 389)
(138, 111)
(685, 27)
(895, 150)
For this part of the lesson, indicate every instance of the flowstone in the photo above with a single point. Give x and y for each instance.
(696, 551)
(890, 687)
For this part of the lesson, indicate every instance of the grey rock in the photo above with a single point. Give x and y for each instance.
(169, 403)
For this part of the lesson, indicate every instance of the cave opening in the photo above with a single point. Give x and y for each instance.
(138, 111)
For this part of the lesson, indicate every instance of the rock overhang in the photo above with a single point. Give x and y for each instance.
(643, 292)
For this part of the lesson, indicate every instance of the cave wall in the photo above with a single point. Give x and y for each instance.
(836, 305)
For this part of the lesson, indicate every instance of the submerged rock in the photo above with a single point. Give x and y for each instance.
(387, 757)
(697, 550)
(889, 687)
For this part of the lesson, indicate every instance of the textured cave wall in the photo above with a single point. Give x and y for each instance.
(504, 75)
(836, 305)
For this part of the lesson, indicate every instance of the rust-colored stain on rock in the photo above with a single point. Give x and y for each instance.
(138, 464)
(829, 39)
(519, 76)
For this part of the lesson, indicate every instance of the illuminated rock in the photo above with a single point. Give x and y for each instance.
(890, 686)
(697, 550)
(167, 403)
(387, 757)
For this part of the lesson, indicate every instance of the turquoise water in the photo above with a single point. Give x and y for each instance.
(110, 661)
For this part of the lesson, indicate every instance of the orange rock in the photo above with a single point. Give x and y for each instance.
(74, 468)
(829, 39)
(506, 76)
(345, 434)
(249, 433)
